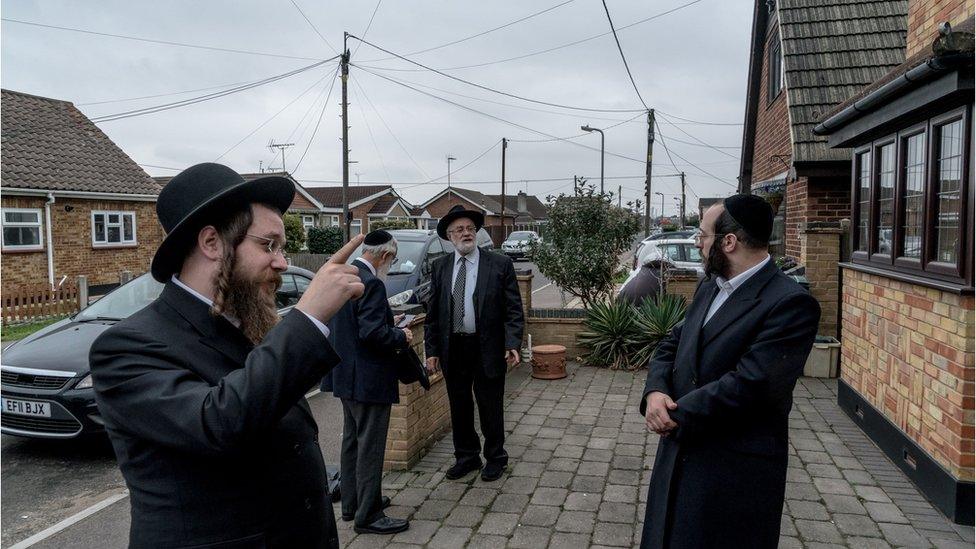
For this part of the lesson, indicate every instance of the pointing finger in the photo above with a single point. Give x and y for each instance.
(346, 251)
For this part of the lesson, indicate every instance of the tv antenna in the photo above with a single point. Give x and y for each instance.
(281, 147)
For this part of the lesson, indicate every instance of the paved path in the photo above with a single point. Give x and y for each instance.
(581, 460)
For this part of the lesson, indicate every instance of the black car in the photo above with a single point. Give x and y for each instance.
(45, 379)
(408, 282)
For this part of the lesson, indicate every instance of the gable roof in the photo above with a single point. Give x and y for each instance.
(831, 50)
(331, 197)
(49, 144)
(533, 206)
(477, 199)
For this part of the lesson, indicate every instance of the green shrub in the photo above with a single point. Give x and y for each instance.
(294, 233)
(324, 240)
(621, 336)
(391, 224)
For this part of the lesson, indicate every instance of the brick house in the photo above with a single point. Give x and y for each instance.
(73, 203)
(520, 209)
(805, 59)
(907, 356)
(367, 204)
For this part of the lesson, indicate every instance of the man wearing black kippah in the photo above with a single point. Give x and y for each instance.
(369, 346)
(720, 388)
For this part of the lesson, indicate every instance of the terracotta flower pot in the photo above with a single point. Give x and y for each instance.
(549, 362)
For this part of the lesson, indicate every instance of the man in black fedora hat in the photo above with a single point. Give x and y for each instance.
(473, 332)
(720, 388)
(202, 392)
(370, 345)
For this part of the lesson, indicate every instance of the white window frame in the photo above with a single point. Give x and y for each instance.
(355, 225)
(39, 225)
(121, 225)
(333, 221)
(308, 221)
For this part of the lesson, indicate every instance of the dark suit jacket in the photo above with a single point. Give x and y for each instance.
(719, 479)
(213, 436)
(499, 320)
(369, 346)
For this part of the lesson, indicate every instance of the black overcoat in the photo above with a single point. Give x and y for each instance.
(719, 479)
(213, 436)
(369, 346)
(499, 320)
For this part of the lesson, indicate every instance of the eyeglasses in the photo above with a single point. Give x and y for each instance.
(699, 236)
(462, 230)
(273, 247)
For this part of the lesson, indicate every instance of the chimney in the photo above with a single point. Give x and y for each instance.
(521, 203)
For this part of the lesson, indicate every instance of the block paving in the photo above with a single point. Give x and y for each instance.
(581, 459)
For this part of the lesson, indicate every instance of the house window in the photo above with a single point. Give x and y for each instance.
(774, 70)
(333, 221)
(113, 228)
(22, 229)
(308, 221)
(355, 228)
(909, 200)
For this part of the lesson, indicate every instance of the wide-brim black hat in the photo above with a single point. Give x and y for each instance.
(458, 212)
(199, 193)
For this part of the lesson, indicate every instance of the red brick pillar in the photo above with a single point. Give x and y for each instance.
(820, 253)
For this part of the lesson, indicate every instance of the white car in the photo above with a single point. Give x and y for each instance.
(680, 253)
(517, 245)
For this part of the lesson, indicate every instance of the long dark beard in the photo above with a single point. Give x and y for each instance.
(248, 302)
(717, 263)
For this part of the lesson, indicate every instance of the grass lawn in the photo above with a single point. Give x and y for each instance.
(20, 331)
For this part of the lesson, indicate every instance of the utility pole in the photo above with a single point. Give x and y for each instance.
(650, 156)
(682, 200)
(504, 146)
(449, 159)
(344, 64)
(620, 193)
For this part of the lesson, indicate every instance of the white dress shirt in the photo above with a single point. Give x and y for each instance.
(318, 323)
(727, 287)
(469, 283)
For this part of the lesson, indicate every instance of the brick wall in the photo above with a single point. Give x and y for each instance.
(557, 331)
(925, 16)
(683, 283)
(772, 149)
(820, 253)
(74, 254)
(909, 351)
(812, 200)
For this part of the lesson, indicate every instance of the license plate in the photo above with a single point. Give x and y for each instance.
(26, 407)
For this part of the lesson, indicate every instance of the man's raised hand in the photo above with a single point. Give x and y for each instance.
(334, 284)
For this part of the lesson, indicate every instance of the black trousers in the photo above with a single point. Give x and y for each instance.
(364, 429)
(465, 374)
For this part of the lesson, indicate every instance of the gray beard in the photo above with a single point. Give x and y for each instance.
(465, 249)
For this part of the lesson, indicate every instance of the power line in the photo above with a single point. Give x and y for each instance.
(127, 99)
(540, 52)
(493, 182)
(622, 56)
(387, 126)
(202, 98)
(486, 88)
(477, 158)
(275, 115)
(690, 121)
(465, 39)
(302, 121)
(161, 167)
(368, 25)
(702, 143)
(667, 150)
(163, 42)
(574, 136)
(325, 105)
(314, 28)
(372, 139)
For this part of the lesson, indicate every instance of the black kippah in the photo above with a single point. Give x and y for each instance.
(753, 213)
(377, 237)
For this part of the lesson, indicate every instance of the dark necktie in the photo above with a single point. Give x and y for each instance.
(458, 296)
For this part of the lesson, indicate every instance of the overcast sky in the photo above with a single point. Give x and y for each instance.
(690, 63)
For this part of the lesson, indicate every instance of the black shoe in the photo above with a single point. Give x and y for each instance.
(384, 525)
(384, 503)
(492, 471)
(460, 469)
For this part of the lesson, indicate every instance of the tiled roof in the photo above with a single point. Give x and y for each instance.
(535, 208)
(831, 50)
(331, 197)
(49, 144)
(480, 199)
(383, 205)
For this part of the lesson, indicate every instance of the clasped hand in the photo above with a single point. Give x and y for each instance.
(656, 414)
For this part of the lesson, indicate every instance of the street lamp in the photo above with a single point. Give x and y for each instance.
(587, 128)
(662, 208)
(449, 159)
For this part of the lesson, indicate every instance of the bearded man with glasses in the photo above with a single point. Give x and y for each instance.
(473, 332)
(720, 388)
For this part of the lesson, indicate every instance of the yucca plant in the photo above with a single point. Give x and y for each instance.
(653, 321)
(610, 329)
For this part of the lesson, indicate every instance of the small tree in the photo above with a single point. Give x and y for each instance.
(392, 224)
(294, 233)
(324, 240)
(585, 236)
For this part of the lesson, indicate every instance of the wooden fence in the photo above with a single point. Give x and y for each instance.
(38, 301)
(311, 262)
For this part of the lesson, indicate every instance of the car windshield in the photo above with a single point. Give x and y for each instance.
(693, 253)
(124, 301)
(409, 255)
(521, 235)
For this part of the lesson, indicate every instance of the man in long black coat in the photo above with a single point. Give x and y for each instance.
(473, 331)
(719, 391)
(202, 392)
(366, 381)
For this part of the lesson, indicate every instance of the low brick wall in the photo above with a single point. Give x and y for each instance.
(682, 282)
(908, 350)
(557, 327)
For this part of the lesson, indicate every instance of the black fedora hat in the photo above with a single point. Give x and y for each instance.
(191, 199)
(457, 212)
